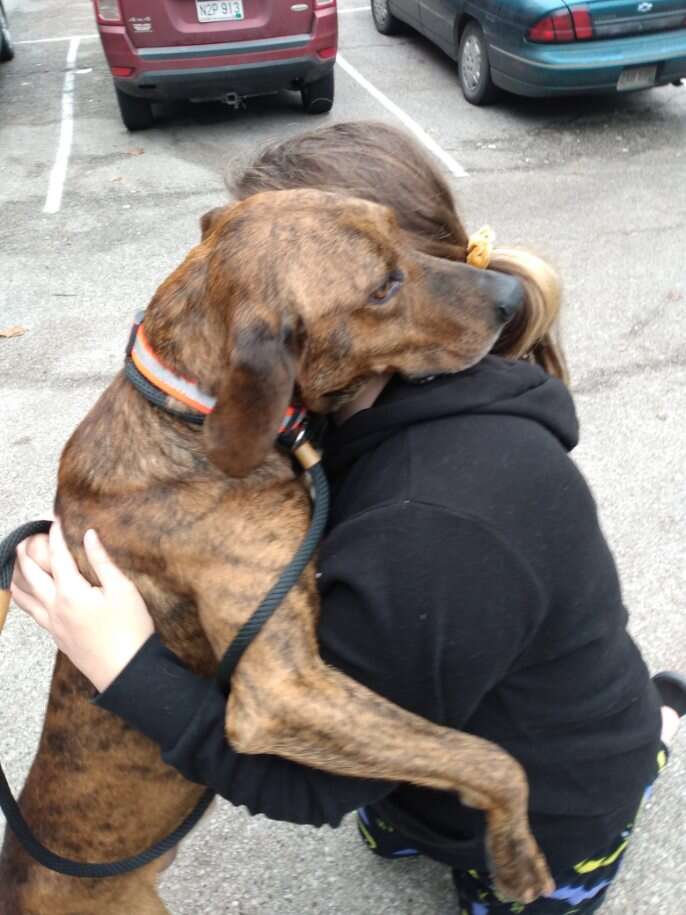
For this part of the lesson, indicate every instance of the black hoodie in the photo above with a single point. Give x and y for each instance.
(465, 577)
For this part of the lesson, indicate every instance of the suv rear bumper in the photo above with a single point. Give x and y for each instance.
(254, 67)
(213, 82)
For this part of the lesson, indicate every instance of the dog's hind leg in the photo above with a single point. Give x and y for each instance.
(97, 791)
(26, 891)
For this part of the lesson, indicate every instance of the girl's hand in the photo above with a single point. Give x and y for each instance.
(99, 629)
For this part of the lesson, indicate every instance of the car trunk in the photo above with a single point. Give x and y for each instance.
(618, 18)
(170, 23)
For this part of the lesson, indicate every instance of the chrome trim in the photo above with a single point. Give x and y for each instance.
(150, 76)
(229, 47)
(632, 26)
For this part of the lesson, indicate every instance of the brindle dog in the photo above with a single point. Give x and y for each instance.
(287, 290)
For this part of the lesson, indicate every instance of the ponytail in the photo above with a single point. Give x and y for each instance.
(532, 333)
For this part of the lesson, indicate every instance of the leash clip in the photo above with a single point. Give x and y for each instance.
(305, 452)
(294, 439)
(293, 435)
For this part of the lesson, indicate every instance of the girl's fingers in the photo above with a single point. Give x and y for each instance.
(37, 547)
(35, 581)
(67, 577)
(109, 575)
(30, 605)
(18, 578)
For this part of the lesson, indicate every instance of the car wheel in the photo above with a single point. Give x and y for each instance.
(136, 113)
(6, 46)
(473, 67)
(384, 20)
(318, 96)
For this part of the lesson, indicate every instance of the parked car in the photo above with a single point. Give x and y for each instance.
(548, 47)
(194, 49)
(6, 46)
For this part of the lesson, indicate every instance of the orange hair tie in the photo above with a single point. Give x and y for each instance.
(480, 248)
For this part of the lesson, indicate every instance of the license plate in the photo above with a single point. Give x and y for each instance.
(219, 12)
(637, 78)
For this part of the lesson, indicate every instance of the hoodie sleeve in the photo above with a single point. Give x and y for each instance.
(184, 714)
(426, 607)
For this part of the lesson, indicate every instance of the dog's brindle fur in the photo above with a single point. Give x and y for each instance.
(279, 293)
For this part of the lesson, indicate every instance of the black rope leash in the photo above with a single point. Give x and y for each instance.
(309, 458)
(286, 580)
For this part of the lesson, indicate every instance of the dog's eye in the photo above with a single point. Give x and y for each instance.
(388, 289)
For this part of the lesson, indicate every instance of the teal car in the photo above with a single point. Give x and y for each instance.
(546, 47)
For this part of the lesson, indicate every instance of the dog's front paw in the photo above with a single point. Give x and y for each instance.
(520, 870)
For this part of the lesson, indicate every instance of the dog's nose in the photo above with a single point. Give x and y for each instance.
(509, 296)
(508, 308)
(506, 291)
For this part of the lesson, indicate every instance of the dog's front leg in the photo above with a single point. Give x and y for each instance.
(324, 719)
(284, 700)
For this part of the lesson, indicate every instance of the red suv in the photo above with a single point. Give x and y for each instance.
(196, 49)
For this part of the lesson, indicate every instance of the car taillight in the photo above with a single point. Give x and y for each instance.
(108, 10)
(583, 24)
(574, 24)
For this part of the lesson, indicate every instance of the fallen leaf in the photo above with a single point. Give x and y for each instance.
(15, 331)
(136, 151)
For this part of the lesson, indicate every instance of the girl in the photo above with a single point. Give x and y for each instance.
(464, 576)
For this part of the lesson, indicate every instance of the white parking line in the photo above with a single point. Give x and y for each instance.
(354, 9)
(53, 200)
(451, 164)
(60, 38)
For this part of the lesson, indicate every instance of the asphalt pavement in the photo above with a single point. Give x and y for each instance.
(596, 185)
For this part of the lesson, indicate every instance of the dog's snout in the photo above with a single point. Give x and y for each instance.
(506, 291)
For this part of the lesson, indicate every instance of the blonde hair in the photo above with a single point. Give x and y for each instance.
(385, 165)
(533, 334)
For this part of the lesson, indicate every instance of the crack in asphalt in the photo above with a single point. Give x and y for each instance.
(602, 378)
(62, 382)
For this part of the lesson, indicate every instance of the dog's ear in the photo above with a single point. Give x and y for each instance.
(251, 401)
(209, 220)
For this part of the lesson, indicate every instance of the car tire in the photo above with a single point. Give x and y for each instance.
(6, 45)
(384, 20)
(136, 113)
(473, 67)
(318, 96)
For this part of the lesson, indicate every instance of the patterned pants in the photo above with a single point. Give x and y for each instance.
(578, 891)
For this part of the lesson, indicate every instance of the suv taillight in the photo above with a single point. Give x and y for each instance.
(573, 24)
(108, 10)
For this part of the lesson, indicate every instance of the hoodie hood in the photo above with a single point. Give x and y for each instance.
(493, 386)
